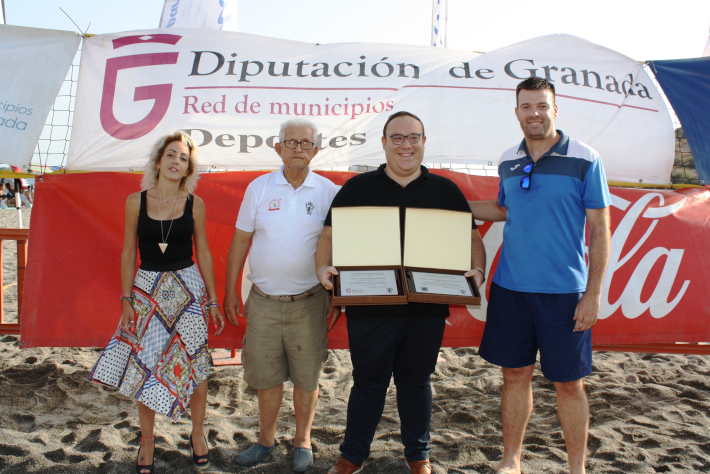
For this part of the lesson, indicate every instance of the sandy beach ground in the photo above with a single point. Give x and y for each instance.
(650, 414)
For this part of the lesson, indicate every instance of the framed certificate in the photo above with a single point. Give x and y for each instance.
(368, 282)
(441, 283)
(437, 253)
(367, 255)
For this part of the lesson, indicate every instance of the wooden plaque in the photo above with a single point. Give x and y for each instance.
(438, 241)
(367, 238)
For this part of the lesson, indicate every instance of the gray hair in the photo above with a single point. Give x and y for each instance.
(298, 122)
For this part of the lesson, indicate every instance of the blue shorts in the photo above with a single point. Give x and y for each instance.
(518, 324)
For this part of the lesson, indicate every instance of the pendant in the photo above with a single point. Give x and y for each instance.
(163, 247)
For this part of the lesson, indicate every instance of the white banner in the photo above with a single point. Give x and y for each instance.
(210, 14)
(35, 62)
(232, 90)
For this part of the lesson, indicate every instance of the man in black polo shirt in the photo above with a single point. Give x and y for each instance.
(399, 340)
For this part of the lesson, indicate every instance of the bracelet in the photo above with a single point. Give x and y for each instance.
(131, 299)
(482, 273)
(213, 299)
(211, 305)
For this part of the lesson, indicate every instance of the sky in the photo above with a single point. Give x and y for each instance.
(639, 30)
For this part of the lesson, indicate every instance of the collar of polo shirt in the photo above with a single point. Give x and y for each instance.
(310, 180)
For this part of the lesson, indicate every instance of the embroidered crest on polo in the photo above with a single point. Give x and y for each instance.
(309, 208)
(275, 205)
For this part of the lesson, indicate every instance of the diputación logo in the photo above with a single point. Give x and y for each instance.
(160, 93)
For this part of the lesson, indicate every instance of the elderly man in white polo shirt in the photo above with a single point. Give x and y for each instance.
(281, 218)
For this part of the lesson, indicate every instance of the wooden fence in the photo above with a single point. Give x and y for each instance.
(20, 236)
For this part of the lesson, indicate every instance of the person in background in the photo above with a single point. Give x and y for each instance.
(27, 197)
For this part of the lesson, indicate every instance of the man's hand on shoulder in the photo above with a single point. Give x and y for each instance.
(232, 307)
(587, 312)
(325, 276)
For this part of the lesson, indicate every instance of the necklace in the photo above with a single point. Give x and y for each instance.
(164, 245)
(167, 200)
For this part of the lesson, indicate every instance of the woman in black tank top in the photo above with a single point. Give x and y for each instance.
(159, 354)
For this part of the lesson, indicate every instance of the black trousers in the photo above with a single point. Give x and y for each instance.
(380, 347)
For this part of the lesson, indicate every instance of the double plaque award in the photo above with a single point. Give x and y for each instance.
(367, 252)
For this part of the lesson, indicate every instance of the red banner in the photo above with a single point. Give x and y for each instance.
(654, 291)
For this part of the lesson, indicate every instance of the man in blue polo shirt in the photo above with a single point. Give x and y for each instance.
(542, 296)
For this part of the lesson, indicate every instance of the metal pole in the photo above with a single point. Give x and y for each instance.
(446, 25)
(433, 19)
(18, 205)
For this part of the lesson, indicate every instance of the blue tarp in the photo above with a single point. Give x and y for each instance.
(686, 83)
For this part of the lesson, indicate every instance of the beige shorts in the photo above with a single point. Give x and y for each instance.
(285, 340)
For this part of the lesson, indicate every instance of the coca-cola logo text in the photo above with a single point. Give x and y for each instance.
(661, 301)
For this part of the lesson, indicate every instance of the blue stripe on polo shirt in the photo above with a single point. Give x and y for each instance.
(543, 238)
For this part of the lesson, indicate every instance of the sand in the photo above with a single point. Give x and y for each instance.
(650, 414)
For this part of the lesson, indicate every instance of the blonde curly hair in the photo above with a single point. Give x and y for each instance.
(189, 182)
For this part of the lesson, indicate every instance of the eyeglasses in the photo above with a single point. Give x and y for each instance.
(294, 143)
(399, 139)
(525, 181)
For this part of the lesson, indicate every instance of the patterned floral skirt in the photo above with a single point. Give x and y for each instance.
(163, 365)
